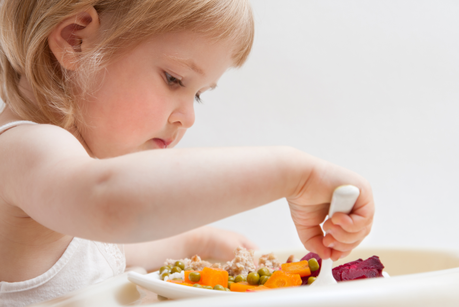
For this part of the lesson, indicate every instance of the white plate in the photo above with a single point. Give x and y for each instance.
(170, 290)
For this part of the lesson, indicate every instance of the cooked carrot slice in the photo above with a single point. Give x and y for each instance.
(301, 268)
(281, 279)
(180, 282)
(213, 276)
(259, 288)
(242, 286)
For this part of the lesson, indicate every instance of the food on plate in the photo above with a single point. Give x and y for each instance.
(281, 279)
(359, 269)
(213, 276)
(194, 264)
(301, 268)
(317, 259)
(207, 277)
(242, 264)
(269, 261)
(242, 286)
(243, 274)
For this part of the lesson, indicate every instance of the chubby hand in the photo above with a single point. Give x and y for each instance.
(214, 243)
(310, 204)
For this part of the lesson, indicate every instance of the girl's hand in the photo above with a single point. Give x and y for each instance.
(214, 243)
(310, 204)
(206, 242)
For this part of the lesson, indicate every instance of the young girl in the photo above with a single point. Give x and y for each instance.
(97, 93)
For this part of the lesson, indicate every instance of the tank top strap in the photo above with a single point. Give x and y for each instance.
(14, 124)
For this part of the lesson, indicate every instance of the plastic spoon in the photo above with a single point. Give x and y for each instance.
(343, 199)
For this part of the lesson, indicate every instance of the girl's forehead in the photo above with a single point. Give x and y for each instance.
(185, 61)
(190, 49)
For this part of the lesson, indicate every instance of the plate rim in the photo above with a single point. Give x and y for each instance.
(152, 282)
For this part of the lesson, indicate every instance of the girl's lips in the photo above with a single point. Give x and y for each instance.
(161, 143)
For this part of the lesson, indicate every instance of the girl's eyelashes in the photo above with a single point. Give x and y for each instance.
(171, 80)
(197, 97)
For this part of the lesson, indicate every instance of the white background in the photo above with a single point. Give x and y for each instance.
(369, 85)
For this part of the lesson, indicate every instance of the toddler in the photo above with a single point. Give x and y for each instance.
(97, 93)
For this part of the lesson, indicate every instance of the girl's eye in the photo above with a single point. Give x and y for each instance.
(172, 80)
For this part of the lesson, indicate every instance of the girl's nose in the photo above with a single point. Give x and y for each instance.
(183, 115)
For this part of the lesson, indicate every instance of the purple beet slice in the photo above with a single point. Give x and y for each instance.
(359, 269)
(315, 273)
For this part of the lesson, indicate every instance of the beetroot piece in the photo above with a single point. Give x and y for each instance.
(359, 269)
(315, 273)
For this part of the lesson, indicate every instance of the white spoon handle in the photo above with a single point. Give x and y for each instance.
(343, 199)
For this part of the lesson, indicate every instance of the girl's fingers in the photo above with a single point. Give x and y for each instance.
(354, 222)
(345, 231)
(346, 237)
(338, 255)
(312, 239)
(332, 243)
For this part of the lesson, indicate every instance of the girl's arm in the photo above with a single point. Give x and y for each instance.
(159, 193)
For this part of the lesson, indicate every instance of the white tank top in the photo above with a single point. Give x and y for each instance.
(83, 263)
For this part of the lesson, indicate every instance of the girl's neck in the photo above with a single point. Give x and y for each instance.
(8, 116)
(80, 138)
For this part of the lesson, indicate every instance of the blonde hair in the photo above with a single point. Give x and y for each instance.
(24, 51)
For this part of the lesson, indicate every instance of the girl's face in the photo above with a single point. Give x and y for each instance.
(146, 98)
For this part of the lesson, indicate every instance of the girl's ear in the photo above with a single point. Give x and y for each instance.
(72, 36)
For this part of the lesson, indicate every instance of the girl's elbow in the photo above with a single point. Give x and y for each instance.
(116, 212)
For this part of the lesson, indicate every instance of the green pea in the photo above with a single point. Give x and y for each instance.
(208, 287)
(176, 269)
(194, 276)
(263, 279)
(162, 270)
(179, 264)
(197, 286)
(230, 278)
(164, 275)
(227, 289)
(311, 280)
(264, 271)
(313, 264)
(219, 287)
(253, 278)
(240, 278)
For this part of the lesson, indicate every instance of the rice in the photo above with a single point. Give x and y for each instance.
(172, 276)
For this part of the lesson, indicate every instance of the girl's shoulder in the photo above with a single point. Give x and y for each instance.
(29, 151)
(26, 138)
(31, 156)
(4, 126)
